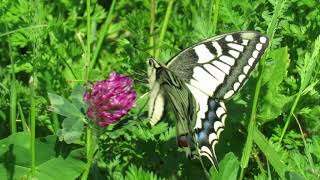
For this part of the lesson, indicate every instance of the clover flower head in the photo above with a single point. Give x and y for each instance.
(109, 100)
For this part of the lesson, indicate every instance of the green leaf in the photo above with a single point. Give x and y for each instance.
(134, 173)
(306, 66)
(62, 168)
(293, 176)
(228, 168)
(274, 102)
(72, 130)
(77, 97)
(272, 156)
(63, 107)
(15, 161)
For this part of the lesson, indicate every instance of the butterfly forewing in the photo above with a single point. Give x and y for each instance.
(220, 65)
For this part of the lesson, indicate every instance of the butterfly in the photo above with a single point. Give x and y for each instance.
(197, 81)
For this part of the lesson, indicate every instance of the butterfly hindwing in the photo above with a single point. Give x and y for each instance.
(173, 91)
(208, 133)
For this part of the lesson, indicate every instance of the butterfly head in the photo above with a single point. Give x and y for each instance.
(152, 62)
(153, 66)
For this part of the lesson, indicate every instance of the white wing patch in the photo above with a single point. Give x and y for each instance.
(224, 67)
(255, 54)
(220, 111)
(241, 77)
(263, 39)
(228, 94)
(215, 72)
(227, 59)
(236, 46)
(229, 38)
(234, 53)
(259, 46)
(201, 99)
(251, 61)
(246, 69)
(200, 77)
(203, 53)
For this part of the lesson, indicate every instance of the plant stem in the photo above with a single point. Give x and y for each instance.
(215, 15)
(152, 21)
(164, 27)
(293, 107)
(55, 122)
(248, 145)
(23, 119)
(36, 8)
(86, 77)
(21, 29)
(13, 94)
(88, 154)
(305, 143)
(33, 125)
(88, 52)
(104, 31)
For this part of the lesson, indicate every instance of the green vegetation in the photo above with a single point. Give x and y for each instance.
(50, 49)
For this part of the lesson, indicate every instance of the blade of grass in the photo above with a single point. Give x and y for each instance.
(152, 21)
(164, 27)
(23, 119)
(248, 145)
(102, 35)
(13, 94)
(35, 12)
(33, 125)
(215, 15)
(88, 51)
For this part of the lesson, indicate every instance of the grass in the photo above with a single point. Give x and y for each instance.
(57, 47)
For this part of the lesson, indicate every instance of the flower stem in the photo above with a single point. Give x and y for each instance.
(88, 154)
(86, 77)
(164, 27)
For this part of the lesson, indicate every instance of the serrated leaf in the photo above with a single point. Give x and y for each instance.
(134, 173)
(306, 66)
(274, 101)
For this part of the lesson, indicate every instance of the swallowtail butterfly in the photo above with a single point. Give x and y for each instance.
(197, 81)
